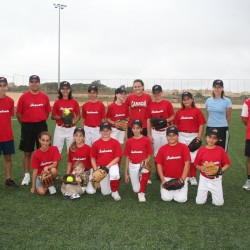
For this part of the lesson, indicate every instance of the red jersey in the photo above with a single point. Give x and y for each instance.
(162, 109)
(42, 159)
(138, 149)
(246, 113)
(138, 107)
(172, 159)
(33, 108)
(105, 151)
(216, 155)
(61, 104)
(116, 112)
(82, 154)
(6, 112)
(93, 113)
(188, 120)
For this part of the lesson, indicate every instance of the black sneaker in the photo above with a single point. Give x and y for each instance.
(157, 177)
(10, 183)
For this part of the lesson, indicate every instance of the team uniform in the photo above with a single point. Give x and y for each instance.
(211, 183)
(42, 159)
(162, 109)
(82, 154)
(104, 152)
(92, 114)
(117, 112)
(34, 110)
(138, 106)
(172, 159)
(61, 132)
(138, 150)
(217, 108)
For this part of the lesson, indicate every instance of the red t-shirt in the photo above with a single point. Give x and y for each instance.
(6, 112)
(33, 108)
(93, 113)
(172, 159)
(138, 149)
(42, 159)
(216, 155)
(138, 107)
(61, 104)
(116, 112)
(105, 151)
(82, 154)
(189, 120)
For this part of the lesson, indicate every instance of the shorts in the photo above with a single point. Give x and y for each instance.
(29, 135)
(131, 134)
(247, 148)
(7, 147)
(38, 182)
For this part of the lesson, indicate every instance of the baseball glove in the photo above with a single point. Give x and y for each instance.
(195, 144)
(46, 178)
(67, 120)
(99, 175)
(173, 184)
(69, 180)
(121, 124)
(209, 168)
(158, 123)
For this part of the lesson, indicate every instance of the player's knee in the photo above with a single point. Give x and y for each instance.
(180, 200)
(105, 192)
(136, 189)
(200, 202)
(41, 191)
(218, 203)
(166, 198)
(114, 177)
(90, 191)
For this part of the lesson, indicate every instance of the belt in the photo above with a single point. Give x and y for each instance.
(212, 177)
(66, 126)
(134, 162)
(161, 130)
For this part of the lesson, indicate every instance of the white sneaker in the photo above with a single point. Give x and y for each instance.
(141, 197)
(149, 182)
(75, 196)
(116, 196)
(193, 181)
(52, 190)
(26, 180)
(246, 186)
(66, 194)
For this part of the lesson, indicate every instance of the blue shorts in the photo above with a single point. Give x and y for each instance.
(7, 148)
(38, 183)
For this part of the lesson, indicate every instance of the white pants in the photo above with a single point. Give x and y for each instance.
(60, 135)
(90, 189)
(186, 138)
(114, 174)
(179, 195)
(91, 134)
(160, 139)
(212, 185)
(117, 134)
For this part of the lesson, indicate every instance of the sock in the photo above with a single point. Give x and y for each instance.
(192, 171)
(27, 174)
(114, 184)
(144, 182)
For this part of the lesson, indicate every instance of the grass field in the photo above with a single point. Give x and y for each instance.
(28, 221)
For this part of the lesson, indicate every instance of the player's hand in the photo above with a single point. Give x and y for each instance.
(33, 190)
(126, 177)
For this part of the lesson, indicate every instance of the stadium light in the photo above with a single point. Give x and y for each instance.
(59, 7)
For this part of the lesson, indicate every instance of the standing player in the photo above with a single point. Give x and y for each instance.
(62, 131)
(190, 122)
(158, 109)
(245, 119)
(118, 110)
(6, 133)
(93, 113)
(79, 151)
(138, 103)
(218, 156)
(32, 111)
(138, 148)
(107, 152)
(173, 161)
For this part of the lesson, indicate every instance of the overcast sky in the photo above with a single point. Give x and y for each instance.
(127, 39)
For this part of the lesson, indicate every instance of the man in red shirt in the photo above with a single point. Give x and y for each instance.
(32, 111)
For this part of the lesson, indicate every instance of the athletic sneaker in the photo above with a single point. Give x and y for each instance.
(26, 180)
(193, 181)
(141, 197)
(116, 196)
(246, 186)
(11, 183)
(67, 195)
(52, 190)
(149, 182)
(75, 196)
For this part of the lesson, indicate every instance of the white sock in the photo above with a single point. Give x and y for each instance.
(27, 175)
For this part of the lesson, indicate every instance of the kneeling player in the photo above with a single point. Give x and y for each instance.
(173, 162)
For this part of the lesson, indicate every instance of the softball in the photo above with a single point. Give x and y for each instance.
(66, 111)
(70, 179)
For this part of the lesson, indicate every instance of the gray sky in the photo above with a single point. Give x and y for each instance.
(127, 39)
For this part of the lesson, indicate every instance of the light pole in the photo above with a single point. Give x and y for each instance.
(60, 7)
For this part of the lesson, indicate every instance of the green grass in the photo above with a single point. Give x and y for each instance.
(28, 221)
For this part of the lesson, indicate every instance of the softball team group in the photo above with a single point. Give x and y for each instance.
(98, 143)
